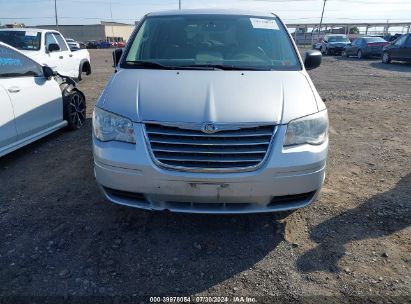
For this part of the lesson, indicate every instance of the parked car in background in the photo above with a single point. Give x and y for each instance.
(48, 47)
(334, 44)
(104, 45)
(399, 50)
(391, 38)
(365, 47)
(118, 44)
(92, 44)
(72, 43)
(237, 125)
(34, 101)
(317, 45)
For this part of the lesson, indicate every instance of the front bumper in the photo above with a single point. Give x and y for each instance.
(336, 50)
(290, 179)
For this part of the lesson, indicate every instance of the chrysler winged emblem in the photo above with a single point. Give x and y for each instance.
(209, 128)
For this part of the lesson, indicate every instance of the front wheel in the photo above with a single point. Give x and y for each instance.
(386, 58)
(344, 54)
(74, 109)
(360, 55)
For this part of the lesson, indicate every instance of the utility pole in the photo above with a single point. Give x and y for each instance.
(321, 21)
(111, 17)
(55, 14)
(179, 4)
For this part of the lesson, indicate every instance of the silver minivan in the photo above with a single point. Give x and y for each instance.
(211, 111)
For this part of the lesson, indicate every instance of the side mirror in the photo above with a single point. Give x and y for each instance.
(117, 53)
(48, 72)
(53, 47)
(312, 60)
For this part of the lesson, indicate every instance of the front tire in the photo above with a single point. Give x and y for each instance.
(344, 54)
(360, 55)
(386, 58)
(74, 104)
(80, 72)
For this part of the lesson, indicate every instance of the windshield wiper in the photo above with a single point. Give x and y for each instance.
(156, 65)
(228, 67)
(150, 64)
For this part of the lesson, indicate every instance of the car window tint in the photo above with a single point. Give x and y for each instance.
(22, 40)
(61, 42)
(14, 64)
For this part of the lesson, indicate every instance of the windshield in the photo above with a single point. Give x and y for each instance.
(238, 42)
(337, 39)
(22, 40)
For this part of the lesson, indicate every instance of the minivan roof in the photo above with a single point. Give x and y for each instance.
(234, 12)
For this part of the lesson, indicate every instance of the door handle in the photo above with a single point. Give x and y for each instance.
(61, 57)
(71, 55)
(14, 89)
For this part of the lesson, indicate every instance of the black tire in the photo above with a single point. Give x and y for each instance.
(74, 108)
(360, 55)
(80, 72)
(386, 58)
(344, 54)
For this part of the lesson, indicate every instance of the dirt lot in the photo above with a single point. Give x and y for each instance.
(59, 237)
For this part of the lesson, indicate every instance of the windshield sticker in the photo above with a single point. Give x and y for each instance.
(267, 24)
(31, 34)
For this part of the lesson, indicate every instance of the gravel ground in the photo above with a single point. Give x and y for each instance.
(59, 237)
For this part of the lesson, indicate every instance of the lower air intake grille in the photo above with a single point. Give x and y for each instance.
(188, 149)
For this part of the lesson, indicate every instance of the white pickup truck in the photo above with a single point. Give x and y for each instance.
(48, 47)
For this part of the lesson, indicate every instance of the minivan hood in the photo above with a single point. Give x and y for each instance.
(189, 96)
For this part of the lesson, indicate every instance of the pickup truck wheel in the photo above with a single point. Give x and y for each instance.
(75, 110)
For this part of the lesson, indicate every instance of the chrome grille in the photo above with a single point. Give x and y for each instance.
(188, 149)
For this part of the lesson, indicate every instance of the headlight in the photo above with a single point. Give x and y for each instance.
(108, 126)
(312, 129)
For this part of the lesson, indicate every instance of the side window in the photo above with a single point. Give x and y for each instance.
(13, 64)
(50, 39)
(60, 40)
(408, 43)
(400, 41)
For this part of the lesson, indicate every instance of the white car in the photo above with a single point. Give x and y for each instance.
(211, 111)
(72, 43)
(48, 47)
(34, 101)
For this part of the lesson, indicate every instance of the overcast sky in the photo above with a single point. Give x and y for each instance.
(33, 12)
